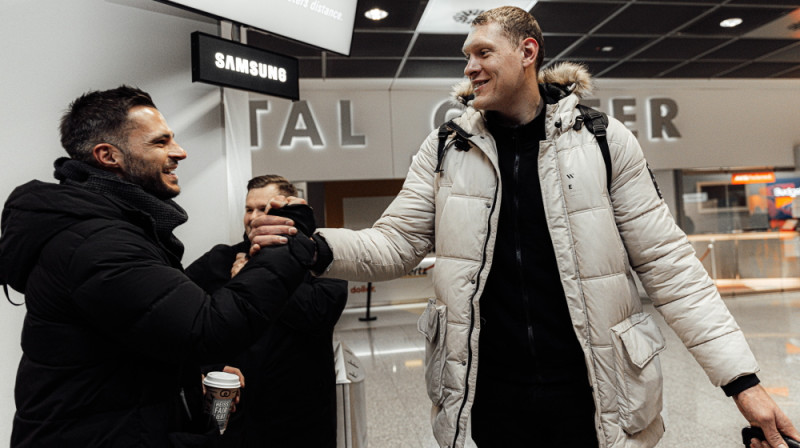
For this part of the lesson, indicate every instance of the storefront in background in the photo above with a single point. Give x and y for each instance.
(743, 226)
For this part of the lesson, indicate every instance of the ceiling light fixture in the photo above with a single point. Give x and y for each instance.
(607, 49)
(376, 14)
(730, 23)
(466, 16)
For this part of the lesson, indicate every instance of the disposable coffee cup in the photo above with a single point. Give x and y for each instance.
(221, 389)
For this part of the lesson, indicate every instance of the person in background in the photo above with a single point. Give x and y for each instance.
(115, 331)
(290, 398)
(538, 334)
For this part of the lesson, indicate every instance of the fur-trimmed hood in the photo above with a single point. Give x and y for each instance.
(568, 77)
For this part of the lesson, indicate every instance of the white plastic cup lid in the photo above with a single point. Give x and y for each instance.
(222, 380)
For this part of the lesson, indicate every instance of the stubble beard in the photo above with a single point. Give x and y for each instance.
(151, 182)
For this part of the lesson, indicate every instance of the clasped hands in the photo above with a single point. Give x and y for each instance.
(268, 230)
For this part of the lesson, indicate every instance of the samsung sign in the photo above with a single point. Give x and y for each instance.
(230, 64)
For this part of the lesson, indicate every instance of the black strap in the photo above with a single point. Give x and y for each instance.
(596, 123)
(461, 141)
(5, 289)
(444, 131)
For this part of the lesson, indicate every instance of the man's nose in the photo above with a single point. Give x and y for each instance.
(177, 152)
(472, 67)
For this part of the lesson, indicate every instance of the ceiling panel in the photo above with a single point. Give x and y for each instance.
(555, 44)
(680, 48)
(790, 54)
(380, 45)
(651, 19)
(759, 70)
(794, 3)
(571, 17)
(790, 74)
(438, 45)
(748, 49)
(752, 17)
(310, 68)
(426, 68)
(361, 68)
(607, 47)
(639, 69)
(702, 69)
(641, 38)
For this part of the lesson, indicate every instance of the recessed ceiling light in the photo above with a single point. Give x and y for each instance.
(607, 49)
(376, 14)
(730, 23)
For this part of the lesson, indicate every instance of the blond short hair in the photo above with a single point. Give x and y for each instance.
(517, 24)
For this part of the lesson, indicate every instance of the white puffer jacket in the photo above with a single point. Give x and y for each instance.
(596, 239)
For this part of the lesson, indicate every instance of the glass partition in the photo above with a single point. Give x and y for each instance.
(744, 231)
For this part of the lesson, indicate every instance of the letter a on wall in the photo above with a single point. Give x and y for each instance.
(300, 124)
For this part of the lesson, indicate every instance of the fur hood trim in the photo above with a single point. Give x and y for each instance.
(570, 76)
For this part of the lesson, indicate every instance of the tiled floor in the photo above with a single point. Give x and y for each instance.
(697, 414)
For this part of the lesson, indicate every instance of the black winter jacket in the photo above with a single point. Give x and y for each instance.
(113, 325)
(289, 373)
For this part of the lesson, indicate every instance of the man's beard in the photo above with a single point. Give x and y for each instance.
(150, 182)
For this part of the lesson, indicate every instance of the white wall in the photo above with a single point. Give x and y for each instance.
(53, 51)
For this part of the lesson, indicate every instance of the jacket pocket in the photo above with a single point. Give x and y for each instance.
(637, 343)
(433, 324)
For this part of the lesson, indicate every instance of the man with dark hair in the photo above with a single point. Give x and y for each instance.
(290, 398)
(537, 332)
(114, 329)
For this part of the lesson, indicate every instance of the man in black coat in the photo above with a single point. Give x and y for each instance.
(114, 329)
(290, 394)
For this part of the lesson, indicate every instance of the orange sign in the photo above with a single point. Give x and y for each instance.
(766, 177)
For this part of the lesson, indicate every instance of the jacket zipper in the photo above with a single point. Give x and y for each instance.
(518, 249)
(472, 313)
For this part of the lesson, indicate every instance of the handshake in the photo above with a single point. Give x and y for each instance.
(289, 220)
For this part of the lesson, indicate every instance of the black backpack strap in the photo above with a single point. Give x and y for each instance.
(444, 131)
(461, 141)
(596, 122)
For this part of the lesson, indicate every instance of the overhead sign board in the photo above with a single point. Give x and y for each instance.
(327, 24)
(766, 177)
(230, 64)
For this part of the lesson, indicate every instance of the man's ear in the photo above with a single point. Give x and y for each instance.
(530, 50)
(108, 156)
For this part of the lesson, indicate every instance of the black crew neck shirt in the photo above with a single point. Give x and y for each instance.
(527, 334)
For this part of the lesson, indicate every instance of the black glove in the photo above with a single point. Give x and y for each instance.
(302, 249)
(301, 214)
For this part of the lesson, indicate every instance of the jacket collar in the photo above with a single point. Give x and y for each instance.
(563, 85)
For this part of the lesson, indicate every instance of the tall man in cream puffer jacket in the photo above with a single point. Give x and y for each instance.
(592, 236)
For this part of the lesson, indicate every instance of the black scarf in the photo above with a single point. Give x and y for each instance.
(165, 214)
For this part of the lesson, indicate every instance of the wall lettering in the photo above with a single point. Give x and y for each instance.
(662, 112)
(621, 110)
(346, 126)
(255, 106)
(301, 124)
